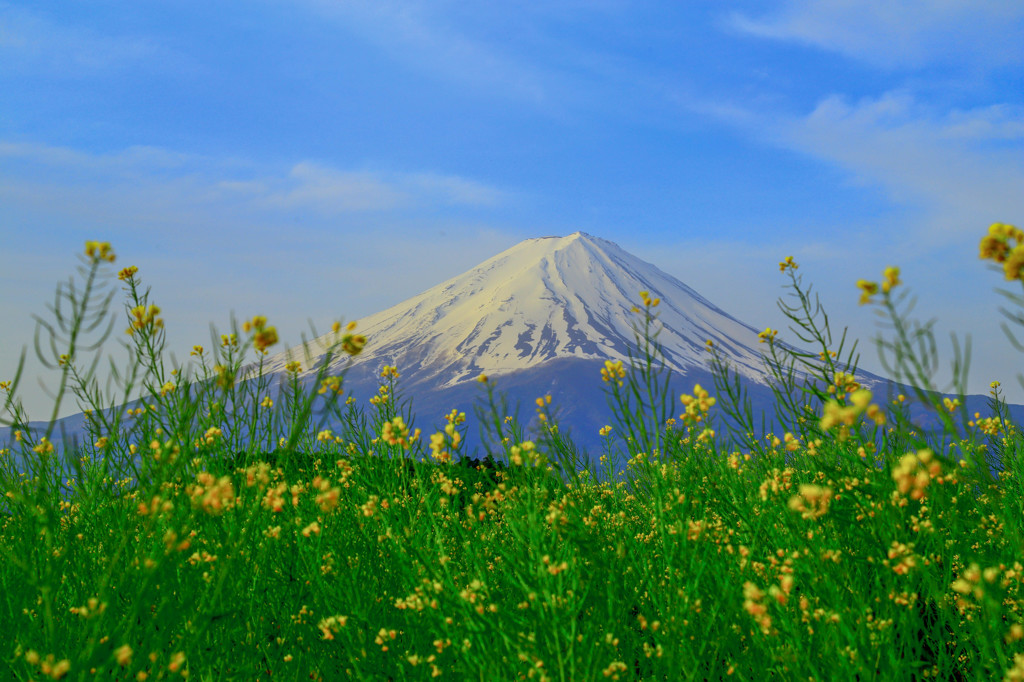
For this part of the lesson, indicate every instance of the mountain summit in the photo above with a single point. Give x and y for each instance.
(542, 299)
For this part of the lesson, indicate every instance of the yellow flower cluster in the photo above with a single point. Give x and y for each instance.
(225, 377)
(45, 447)
(328, 626)
(752, 596)
(915, 472)
(767, 335)
(541, 403)
(380, 399)
(143, 318)
(697, 405)
(49, 666)
(905, 554)
(127, 273)
(847, 416)
(328, 498)
(397, 433)
(213, 496)
(524, 453)
(332, 384)
(351, 343)
(648, 301)
(449, 437)
(613, 371)
(869, 289)
(995, 246)
(265, 336)
(812, 502)
(97, 251)
(788, 263)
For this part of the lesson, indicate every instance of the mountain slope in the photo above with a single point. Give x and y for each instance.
(545, 298)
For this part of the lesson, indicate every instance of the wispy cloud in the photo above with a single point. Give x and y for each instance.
(159, 177)
(956, 165)
(894, 34)
(327, 190)
(33, 40)
(421, 37)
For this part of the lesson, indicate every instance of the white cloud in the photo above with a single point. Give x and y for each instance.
(456, 190)
(328, 190)
(960, 167)
(416, 34)
(905, 33)
(33, 40)
(151, 176)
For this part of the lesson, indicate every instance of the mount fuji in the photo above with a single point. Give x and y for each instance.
(544, 299)
(542, 318)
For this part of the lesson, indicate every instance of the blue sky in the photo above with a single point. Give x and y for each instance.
(316, 160)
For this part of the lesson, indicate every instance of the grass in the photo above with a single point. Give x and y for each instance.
(162, 549)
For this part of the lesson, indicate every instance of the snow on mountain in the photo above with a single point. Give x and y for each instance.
(544, 298)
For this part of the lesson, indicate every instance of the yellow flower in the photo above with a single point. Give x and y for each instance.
(258, 322)
(396, 432)
(145, 318)
(123, 655)
(265, 338)
(333, 384)
(869, 289)
(1014, 263)
(648, 301)
(892, 278)
(45, 447)
(994, 245)
(127, 273)
(97, 251)
(613, 371)
(812, 502)
(788, 263)
(353, 343)
(455, 417)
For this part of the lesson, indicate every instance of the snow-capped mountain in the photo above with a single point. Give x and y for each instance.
(542, 318)
(542, 299)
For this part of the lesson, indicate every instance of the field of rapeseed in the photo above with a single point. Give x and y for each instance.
(159, 550)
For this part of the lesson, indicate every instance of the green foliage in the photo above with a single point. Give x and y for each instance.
(162, 547)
